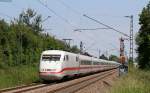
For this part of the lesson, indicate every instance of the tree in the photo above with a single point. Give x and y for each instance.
(143, 38)
(31, 19)
(21, 41)
(103, 57)
(75, 49)
(113, 58)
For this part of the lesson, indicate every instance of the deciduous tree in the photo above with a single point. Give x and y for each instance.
(143, 38)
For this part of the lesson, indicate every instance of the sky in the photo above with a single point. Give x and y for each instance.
(67, 15)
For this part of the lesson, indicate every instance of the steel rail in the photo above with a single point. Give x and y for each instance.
(22, 88)
(17, 87)
(79, 82)
(75, 89)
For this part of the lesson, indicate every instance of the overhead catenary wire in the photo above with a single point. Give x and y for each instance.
(59, 16)
(69, 7)
(106, 25)
(93, 39)
(73, 10)
(90, 38)
(78, 13)
(56, 13)
(90, 29)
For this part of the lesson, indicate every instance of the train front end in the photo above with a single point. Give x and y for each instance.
(50, 67)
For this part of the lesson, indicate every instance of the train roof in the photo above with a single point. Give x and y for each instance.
(61, 52)
(82, 56)
(52, 51)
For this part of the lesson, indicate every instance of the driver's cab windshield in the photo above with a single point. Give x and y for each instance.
(51, 57)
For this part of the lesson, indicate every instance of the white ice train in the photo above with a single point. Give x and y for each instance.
(57, 64)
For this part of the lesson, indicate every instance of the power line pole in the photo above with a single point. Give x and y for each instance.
(67, 39)
(99, 53)
(131, 32)
(81, 47)
(131, 38)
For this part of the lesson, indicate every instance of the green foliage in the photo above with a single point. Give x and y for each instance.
(113, 58)
(21, 41)
(20, 75)
(136, 81)
(31, 19)
(103, 57)
(143, 39)
(21, 44)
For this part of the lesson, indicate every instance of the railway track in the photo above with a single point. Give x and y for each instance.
(71, 86)
(13, 88)
(22, 88)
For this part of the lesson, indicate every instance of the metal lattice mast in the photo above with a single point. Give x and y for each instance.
(131, 38)
(67, 39)
(81, 47)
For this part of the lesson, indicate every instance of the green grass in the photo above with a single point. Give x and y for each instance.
(14, 76)
(137, 81)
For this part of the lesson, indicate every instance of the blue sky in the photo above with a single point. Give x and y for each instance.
(110, 12)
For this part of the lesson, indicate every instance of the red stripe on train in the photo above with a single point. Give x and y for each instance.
(70, 68)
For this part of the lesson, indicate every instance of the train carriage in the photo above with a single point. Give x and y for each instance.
(57, 64)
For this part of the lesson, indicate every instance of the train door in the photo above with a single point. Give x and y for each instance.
(71, 62)
(78, 63)
(92, 64)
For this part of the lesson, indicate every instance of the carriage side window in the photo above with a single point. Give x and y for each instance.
(85, 62)
(96, 63)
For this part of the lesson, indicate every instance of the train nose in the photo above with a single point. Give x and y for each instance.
(49, 76)
(47, 70)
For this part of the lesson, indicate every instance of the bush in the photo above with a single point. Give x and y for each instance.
(137, 81)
